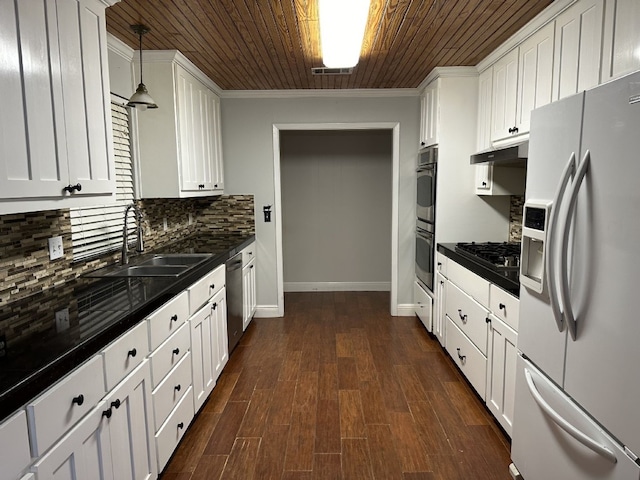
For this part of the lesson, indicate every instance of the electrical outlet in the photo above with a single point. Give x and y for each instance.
(56, 250)
(190, 219)
(62, 320)
(165, 224)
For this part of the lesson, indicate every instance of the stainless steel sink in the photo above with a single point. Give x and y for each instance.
(161, 265)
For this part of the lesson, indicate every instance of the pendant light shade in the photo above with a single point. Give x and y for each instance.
(141, 98)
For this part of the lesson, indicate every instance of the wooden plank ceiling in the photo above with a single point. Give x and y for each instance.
(273, 44)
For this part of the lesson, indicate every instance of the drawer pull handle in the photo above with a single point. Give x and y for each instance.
(488, 320)
(176, 351)
(116, 403)
(461, 357)
(107, 413)
(79, 400)
(212, 286)
(132, 353)
(215, 305)
(181, 425)
(502, 306)
(177, 388)
(462, 317)
(174, 318)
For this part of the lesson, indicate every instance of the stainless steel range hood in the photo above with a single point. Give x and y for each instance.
(509, 155)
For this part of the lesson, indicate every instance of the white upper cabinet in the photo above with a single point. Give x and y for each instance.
(621, 38)
(181, 138)
(429, 114)
(485, 92)
(56, 141)
(505, 93)
(535, 75)
(578, 47)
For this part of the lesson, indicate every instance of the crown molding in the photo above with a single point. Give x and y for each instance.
(323, 93)
(445, 72)
(115, 45)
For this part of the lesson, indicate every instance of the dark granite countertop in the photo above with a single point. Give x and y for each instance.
(507, 280)
(35, 352)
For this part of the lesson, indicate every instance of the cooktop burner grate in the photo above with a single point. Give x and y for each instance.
(498, 256)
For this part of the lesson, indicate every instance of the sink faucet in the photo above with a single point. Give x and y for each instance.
(125, 233)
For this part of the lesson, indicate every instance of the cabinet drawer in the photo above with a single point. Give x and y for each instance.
(167, 319)
(504, 306)
(468, 315)
(174, 428)
(14, 454)
(248, 254)
(424, 306)
(125, 354)
(169, 354)
(469, 359)
(472, 284)
(171, 390)
(205, 288)
(58, 409)
(441, 263)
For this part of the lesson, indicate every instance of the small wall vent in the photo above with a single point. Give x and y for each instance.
(331, 71)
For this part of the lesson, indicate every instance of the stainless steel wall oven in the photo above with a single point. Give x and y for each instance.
(426, 215)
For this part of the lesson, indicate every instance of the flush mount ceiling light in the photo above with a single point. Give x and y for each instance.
(141, 99)
(342, 24)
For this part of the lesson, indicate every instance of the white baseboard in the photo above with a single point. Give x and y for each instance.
(406, 310)
(267, 311)
(337, 286)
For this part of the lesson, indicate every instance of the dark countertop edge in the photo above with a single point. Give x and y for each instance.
(29, 388)
(448, 250)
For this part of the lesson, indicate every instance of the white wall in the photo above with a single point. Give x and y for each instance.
(336, 209)
(247, 141)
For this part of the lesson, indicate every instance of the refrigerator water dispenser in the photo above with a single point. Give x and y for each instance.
(534, 239)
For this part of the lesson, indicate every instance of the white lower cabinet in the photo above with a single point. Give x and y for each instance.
(439, 315)
(471, 362)
(14, 453)
(220, 348)
(501, 372)
(203, 345)
(249, 300)
(424, 306)
(172, 431)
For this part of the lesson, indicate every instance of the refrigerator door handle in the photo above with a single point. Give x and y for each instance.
(565, 294)
(550, 266)
(580, 436)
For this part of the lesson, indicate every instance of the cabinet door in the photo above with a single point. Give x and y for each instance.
(248, 293)
(578, 47)
(85, 452)
(213, 156)
(501, 372)
(14, 454)
(483, 179)
(535, 76)
(130, 427)
(190, 130)
(505, 93)
(219, 331)
(485, 94)
(621, 38)
(429, 118)
(439, 315)
(203, 349)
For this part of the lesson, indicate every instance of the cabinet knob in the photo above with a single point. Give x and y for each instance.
(484, 184)
(107, 413)
(212, 286)
(181, 425)
(132, 353)
(462, 317)
(251, 266)
(177, 388)
(79, 400)
(116, 403)
(422, 143)
(215, 305)
(176, 351)
(73, 188)
(215, 185)
(461, 357)
(174, 318)
(488, 320)
(513, 130)
(502, 306)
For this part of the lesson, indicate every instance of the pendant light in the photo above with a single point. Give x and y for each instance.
(141, 99)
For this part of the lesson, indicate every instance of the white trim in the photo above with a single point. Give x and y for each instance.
(277, 204)
(267, 311)
(444, 72)
(547, 15)
(406, 310)
(322, 93)
(117, 46)
(164, 56)
(337, 286)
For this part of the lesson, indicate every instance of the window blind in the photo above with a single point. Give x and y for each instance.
(98, 230)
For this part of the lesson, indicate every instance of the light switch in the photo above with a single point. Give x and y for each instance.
(56, 250)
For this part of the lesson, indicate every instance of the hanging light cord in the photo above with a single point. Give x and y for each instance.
(140, 36)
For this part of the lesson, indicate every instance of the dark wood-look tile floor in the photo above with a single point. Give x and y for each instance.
(339, 389)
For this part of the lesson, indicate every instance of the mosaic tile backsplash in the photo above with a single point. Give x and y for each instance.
(25, 267)
(515, 218)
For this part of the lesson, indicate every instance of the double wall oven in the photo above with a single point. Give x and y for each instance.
(426, 215)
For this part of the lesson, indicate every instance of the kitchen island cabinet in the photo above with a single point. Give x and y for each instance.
(181, 138)
(57, 149)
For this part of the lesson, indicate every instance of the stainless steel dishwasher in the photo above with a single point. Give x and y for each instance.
(234, 300)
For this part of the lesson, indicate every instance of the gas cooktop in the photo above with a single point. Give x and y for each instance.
(495, 255)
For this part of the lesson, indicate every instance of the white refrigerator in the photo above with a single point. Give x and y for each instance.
(577, 404)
